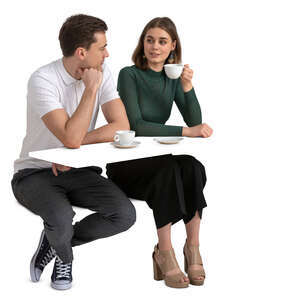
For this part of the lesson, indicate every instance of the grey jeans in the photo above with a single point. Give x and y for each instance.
(52, 199)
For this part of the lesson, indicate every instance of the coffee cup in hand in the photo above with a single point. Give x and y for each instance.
(173, 71)
(124, 137)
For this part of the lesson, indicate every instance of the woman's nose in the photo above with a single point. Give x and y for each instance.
(155, 45)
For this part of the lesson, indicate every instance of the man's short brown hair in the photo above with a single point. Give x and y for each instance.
(78, 31)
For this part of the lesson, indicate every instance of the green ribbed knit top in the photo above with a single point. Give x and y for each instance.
(148, 97)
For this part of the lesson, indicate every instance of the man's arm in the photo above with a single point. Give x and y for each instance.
(115, 115)
(72, 131)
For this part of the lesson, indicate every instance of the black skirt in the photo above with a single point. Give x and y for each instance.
(172, 185)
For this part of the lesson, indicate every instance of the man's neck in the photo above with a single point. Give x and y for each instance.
(72, 67)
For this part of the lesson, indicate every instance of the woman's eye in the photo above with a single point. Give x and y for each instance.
(163, 42)
(149, 41)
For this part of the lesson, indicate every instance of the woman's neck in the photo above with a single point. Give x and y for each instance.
(156, 67)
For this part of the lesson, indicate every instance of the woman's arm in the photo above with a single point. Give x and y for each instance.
(188, 105)
(128, 92)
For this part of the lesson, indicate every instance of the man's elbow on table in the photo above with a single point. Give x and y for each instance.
(71, 143)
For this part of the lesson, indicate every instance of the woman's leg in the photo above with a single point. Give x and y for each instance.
(192, 230)
(193, 179)
(164, 243)
(157, 181)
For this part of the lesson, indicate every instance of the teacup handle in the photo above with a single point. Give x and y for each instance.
(116, 138)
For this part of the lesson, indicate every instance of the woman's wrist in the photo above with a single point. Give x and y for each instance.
(186, 131)
(187, 87)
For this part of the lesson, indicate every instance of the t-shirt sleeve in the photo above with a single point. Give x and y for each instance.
(108, 89)
(42, 95)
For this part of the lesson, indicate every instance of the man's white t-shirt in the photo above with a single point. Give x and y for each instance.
(52, 87)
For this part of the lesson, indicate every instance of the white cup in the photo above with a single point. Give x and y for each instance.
(124, 137)
(173, 71)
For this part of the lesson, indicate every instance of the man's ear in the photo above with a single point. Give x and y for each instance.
(80, 53)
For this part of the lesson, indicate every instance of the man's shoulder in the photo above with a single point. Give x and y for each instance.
(46, 73)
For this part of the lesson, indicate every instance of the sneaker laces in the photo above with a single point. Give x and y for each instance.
(47, 257)
(62, 270)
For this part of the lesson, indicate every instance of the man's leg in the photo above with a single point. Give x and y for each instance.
(45, 195)
(42, 195)
(114, 211)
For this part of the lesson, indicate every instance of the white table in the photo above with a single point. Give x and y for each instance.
(102, 153)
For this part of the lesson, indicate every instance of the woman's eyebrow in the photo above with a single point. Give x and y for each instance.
(161, 38)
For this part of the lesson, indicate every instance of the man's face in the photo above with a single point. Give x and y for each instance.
(97, 52)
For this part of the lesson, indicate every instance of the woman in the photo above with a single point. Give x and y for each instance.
(171, 185)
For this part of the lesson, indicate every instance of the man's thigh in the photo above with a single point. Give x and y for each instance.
(40, 194)
(98, 193)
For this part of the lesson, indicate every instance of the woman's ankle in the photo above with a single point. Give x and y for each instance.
(192, 242)
(164, 246)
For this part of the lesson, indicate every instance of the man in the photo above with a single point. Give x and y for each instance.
(62, 106)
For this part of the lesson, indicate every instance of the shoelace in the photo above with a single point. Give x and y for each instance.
(48, 257)
(62, 270)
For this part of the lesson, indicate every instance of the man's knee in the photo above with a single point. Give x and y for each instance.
(126, 215)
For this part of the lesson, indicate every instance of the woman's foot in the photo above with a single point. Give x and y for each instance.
(165, 267)
(193, 264)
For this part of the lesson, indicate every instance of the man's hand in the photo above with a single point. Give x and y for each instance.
(59, 167)
(92, 78)
(202, 130)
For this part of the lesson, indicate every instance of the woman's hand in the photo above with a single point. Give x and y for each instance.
(58, 167)
(186, 78)
(201, 130)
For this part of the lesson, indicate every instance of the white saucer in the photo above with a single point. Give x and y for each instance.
(168, 140)
(132, 145)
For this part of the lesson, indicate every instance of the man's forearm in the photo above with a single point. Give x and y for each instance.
(77, 126)
(104, 133)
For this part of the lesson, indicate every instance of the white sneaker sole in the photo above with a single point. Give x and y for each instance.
(61, 286)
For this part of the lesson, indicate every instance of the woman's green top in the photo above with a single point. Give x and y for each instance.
(148, 98)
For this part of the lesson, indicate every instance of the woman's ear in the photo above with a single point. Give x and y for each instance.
(174, 45)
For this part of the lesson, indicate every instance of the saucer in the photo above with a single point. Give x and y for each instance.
(132, 145)
(168, 140)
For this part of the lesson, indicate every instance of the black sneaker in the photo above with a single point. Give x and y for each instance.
(61, 278)
(42, 256)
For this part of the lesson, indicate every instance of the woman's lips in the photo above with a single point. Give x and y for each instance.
(154, 54)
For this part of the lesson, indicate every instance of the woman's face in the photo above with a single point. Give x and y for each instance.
(157, 46)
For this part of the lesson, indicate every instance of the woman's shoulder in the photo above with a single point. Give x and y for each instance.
(130, 70)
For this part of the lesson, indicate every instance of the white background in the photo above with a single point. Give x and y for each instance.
(245, 55)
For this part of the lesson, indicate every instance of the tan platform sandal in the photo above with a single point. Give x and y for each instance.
(192, 257)
(169, 263)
